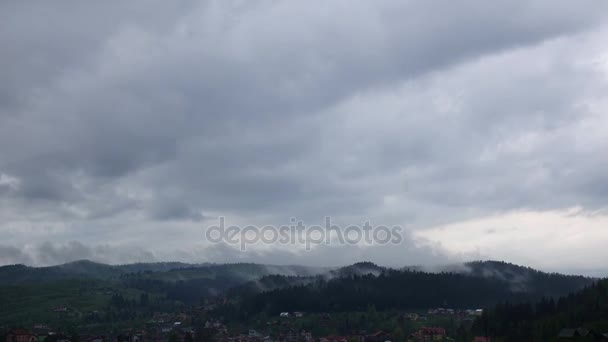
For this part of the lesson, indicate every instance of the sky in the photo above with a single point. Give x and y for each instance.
(128, 128)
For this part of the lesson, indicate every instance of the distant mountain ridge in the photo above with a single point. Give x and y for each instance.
(355, 287)
(544, 319)
(18, 274)
(14, 274)
(89, 286)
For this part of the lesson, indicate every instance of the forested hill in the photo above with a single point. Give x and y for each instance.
(544, 319)
(86, 286)
(526, 279)
(480, 285)
(169, 271)
(82, 269)
(472, 284)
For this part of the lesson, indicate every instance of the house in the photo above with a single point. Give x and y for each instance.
(96, 339)
(216, 326)
(58, 337)
(411, 317)
(428, 334)
(481, 339)
(284, 314)
(582, 334)
(379, 336)
(306, 336)
(128, 336)
(573, 333)
(41, 331)
(254, 333)
(290, 336)
(333, 339)
(298, 314)
(20, 335)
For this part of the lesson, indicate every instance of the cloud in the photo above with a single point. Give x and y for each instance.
(55, 253)
(555, 240)
(10, 255)
(409, 252)
(138, 131)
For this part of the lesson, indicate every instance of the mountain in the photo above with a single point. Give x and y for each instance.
(360, 268)
(21, 274)
(168, 271)
(133, 290)
(526, 279)
(190, 284)
(217, 278)
(120, 292)
(542, 320)
(355, 287)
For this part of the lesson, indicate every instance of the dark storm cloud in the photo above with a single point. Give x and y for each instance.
(164, 112)
(43, 40)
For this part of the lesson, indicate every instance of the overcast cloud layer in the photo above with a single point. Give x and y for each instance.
(126, 128)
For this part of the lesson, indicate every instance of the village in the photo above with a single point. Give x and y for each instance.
(197, 324)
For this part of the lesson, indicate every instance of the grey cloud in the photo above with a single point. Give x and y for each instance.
(10, 255)
(55, 253)
(49, 254)
(271, 109)
(408, 252)
(47, 40)
(174, 210)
